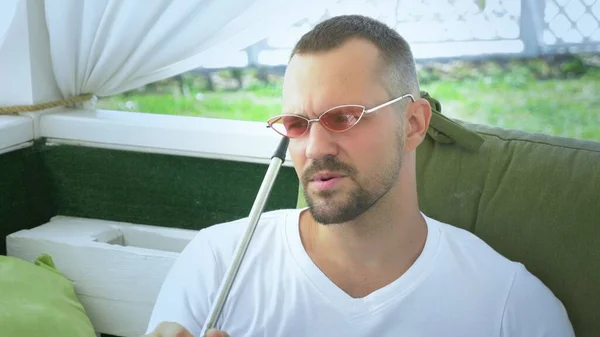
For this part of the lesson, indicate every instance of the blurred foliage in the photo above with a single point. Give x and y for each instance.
(554, 95)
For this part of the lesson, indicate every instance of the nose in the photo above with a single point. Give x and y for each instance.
(320, 142)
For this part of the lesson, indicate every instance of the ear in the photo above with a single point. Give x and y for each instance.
(417, 120)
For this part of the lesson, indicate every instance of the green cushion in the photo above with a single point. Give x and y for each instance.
(534, 198)
(37, 300)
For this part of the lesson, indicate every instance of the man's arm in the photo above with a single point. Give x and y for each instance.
(532, 310)
(186, 293)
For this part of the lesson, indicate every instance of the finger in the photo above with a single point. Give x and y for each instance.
(170, 329)
(216, 333)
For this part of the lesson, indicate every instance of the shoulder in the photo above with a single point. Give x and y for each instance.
(236, 227)
(218, 242)
(190, 286)
(467, 248)
(533, 310)
(529, 308)
(223, 235)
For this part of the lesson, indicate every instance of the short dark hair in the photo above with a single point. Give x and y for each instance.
(398, 61)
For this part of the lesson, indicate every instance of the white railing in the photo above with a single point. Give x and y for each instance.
(569, 25)
(210, 138)
(440, 29)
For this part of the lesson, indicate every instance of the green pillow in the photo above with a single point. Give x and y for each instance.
(37, 300)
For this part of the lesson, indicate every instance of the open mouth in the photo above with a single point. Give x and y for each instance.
(326, 180)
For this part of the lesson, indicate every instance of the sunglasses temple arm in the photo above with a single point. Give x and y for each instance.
(257, 208)
(390, 103)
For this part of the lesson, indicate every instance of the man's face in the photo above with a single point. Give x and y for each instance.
(343, 174)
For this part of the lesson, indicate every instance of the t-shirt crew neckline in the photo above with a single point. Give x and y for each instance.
(377, 300)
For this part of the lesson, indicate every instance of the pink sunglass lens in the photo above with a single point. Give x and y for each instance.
(337, 119)
(290, 126)
(342, 118)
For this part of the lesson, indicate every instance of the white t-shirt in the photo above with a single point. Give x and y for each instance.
(458, 286)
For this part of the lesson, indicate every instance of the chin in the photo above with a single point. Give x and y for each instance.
(328, 211)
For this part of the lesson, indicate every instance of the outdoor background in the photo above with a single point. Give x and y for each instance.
(531, 65)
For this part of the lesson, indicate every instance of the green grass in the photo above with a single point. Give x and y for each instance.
(567, 108)
(562, 107)
(230, 105)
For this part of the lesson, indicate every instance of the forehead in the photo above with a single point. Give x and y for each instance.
(348, 74)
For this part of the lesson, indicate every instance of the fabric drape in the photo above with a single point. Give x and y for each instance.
(106, 47)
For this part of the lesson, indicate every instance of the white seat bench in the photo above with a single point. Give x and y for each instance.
(117, 268)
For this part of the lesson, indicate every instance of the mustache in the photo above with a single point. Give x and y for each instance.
(327, 163)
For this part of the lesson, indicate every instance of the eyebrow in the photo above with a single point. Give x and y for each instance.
(293, 111)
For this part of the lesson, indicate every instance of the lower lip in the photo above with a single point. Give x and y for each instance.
(326, 185)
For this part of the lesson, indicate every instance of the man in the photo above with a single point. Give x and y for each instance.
(362, 259)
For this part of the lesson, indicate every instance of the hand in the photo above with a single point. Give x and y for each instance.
(216, 333)
(170, 329)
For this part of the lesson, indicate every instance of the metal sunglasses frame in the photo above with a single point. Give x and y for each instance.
(318, 120)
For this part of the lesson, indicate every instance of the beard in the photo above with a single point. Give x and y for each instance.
(331, 207)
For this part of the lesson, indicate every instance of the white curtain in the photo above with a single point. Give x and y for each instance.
(8, 9)
(105, 47)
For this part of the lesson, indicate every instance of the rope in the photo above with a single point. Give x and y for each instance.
(15, 109)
